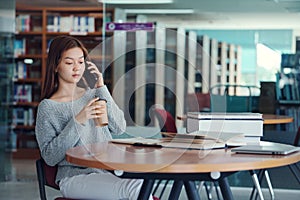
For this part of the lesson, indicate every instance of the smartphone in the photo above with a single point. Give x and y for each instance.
(90, 78)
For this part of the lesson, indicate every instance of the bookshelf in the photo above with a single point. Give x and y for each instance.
(6, 89)
(35, 28)
(288, 90)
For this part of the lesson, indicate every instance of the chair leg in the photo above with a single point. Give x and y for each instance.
(156, 187)
(200, 186)
(208, 193)
(217, 190)
(296, 171)
(253, 192)
(163, 190)
(256, 184)
(269, 184)
(41, 179)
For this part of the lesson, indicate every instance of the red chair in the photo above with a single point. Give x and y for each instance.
(165, 120)
(46, 177)
(198, 102)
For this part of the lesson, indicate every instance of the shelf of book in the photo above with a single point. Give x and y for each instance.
(7, 64)
(35, 28)
(288, 90)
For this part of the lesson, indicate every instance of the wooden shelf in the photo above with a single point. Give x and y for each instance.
(33, 38)
(29, 104)
(26, 153)
(37, 56)
(24, 127)
(25, 33)
(289, 102)
(28, 80)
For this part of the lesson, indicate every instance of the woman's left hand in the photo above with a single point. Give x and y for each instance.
(94, 70)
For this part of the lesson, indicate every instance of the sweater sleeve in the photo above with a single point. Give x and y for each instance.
(53, 145)
(116, 119)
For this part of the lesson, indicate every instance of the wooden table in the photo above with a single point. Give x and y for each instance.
(183, 166)
(277, 119)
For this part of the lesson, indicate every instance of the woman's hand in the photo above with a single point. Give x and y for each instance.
(94, 70)
(90, 111)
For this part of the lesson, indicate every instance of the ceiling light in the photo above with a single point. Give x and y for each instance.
(135, 1)
(159, 11)
(286, 1)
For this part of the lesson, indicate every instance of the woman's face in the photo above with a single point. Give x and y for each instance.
(71, 67)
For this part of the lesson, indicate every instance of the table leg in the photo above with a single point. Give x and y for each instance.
(191, 190)
(146, 189)
(225, 189)
(176, 189)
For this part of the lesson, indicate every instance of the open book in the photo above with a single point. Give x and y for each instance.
(187, 141)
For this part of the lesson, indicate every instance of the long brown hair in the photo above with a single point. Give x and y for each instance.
(58, 46)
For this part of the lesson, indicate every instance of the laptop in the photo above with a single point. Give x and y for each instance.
(267, 148)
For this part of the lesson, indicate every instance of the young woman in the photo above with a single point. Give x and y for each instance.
(65, 120)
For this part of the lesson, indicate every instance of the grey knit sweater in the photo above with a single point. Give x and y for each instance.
(57, 130)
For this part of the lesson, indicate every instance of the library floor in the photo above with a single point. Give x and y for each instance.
(18, 181)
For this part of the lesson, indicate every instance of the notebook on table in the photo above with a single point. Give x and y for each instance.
(267, 148)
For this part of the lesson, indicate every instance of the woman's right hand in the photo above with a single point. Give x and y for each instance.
(90, 111)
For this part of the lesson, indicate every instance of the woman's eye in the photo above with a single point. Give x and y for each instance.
(81, 63)
(69, 63)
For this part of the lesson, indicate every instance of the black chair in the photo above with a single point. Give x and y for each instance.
(46, 177)
(295, 169)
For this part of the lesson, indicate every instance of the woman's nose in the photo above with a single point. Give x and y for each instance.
(76, 67)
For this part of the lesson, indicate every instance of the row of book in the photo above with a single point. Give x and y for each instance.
(23, 116)
(23, 23)
(23, 93)
(56, 23)
(290, 60)
(293, 111)
(19, 47)
(20, 71)
(288, 86)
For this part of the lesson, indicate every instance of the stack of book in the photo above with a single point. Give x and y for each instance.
(248, 124)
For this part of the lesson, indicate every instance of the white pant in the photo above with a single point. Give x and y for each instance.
(104, 186)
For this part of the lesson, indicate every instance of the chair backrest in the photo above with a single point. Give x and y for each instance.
(233, 98)
(196, 102)
(166, 120)
(297, 137)
(46, 176)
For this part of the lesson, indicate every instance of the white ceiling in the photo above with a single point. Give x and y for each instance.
(210, 14)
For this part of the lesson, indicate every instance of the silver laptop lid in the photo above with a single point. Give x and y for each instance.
(267, 148)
